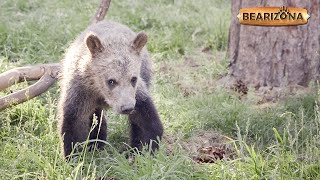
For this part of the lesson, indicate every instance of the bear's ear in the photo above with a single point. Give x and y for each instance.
(94, 44)
(140, 41)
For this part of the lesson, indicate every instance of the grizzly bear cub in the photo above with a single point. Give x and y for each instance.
(107, 66)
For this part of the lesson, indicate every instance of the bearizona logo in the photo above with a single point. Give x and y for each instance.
(273, 16)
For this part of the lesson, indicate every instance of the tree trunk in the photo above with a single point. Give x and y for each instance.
(275, 56)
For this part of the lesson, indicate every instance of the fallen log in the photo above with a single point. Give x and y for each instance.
(46, 81)
(27, 73)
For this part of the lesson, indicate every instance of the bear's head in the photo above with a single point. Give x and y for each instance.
(116, 65)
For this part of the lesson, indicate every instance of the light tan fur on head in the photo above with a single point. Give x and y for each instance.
(116, 71)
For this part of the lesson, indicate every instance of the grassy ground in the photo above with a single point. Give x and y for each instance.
(274, 142)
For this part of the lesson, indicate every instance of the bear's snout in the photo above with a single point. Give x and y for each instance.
(126, 109)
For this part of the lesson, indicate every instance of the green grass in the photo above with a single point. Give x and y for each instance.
(280, 141)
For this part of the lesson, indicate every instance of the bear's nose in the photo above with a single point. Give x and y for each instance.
(127, 109)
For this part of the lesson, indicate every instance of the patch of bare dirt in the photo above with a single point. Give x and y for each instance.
(204, 147)
(240, 87)
(264, 96)
(209, 154)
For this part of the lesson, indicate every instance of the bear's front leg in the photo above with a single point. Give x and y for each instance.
(72, 129)
(75, 118)
(145, 124)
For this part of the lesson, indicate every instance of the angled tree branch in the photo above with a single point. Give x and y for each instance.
(30, 92)
(102, 11)
(27, 73)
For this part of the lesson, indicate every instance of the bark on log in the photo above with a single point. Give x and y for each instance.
(102, 11)
(28, 93)
(27, 73)
(275, 56)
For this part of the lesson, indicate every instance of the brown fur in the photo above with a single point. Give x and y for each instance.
(99, 71)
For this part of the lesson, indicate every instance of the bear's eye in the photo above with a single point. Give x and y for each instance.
(112, 82)
(134, 81)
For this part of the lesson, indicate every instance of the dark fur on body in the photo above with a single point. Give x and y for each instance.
(104, 50)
